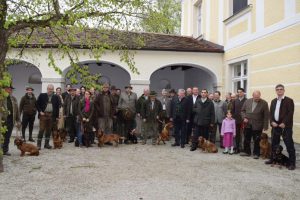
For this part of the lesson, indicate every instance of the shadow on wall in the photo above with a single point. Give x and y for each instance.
(110, 73)
(178, 76)
(24, 74)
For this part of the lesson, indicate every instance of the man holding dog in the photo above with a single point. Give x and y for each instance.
(166, 108)
(48, 108)
(10, 118)
(281, 119)
(150, 111)
(255, 114)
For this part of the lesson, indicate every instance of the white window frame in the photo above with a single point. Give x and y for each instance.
(243, 64)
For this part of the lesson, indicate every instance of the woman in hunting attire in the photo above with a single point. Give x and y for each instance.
(86, 110)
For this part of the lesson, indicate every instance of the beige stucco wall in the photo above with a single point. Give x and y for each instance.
(238, 29)
(274, 11)
(214, 26)
(297, 6)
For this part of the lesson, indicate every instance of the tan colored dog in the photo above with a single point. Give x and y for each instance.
(165, 133)
(103, 138)
(57, 141)
(265, 146)
(207, 146)
(26, 147)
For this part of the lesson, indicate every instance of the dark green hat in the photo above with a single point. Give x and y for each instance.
(152, 93)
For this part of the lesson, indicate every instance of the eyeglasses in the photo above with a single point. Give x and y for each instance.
(278, 89)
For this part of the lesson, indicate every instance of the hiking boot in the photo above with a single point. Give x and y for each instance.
(39, 144)
(47, 145)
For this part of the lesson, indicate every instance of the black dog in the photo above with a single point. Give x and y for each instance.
(132, 137)
(279, 158)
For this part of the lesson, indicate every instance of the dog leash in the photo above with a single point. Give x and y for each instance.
(18, 132)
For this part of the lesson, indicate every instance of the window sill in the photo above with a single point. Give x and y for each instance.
(238, 14)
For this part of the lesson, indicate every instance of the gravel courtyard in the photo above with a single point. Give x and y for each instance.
(142, 172)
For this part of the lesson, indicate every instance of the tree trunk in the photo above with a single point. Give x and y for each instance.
(1, 164)
(3, 69)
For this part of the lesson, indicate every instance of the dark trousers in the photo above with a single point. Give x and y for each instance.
(287, 136)
(238, 137)
(255, 135)
(9, 125)
(212, 137)
(71, 127)
(115, 125)
(126, 127)
(180, 131)
(200, 131)
(189, 128)
(27, 119)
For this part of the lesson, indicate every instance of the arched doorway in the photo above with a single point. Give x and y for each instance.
(23, 74)
(182, 76)
(110, 73)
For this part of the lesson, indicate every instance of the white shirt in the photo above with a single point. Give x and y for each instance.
(194, 98)
(203, 100)
(276, 113)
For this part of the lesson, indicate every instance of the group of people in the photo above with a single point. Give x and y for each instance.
(83, 112)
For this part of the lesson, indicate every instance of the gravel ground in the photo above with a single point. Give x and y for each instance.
(142, 172)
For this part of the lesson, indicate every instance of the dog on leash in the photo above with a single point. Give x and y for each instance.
(105, 138)
(265, 146)
(207, 146)
(165, 133)
(26, 147)
(279, 158)
(57, 141)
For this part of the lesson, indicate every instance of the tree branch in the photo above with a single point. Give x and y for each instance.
(3, 13)
(56, 7)
(24, 45)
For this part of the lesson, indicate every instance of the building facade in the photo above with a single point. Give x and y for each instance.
(261, 40)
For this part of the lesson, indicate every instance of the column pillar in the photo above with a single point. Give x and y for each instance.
(57, 82)
(139, 85)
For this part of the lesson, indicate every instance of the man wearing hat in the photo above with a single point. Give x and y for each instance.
(127, 101)
(71, 113)
(105, 109)
(150, 111)
(10, 117)
(28, 108)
